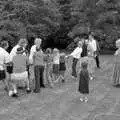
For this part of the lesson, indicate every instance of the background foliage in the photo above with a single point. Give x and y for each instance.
(57, 22)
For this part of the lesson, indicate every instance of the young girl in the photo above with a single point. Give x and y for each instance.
(48, 66)
(116, 72)
(84, 82)
(62, 66)
(56, 62)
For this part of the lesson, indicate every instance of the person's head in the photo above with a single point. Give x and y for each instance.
(4, 44)
(23, 42)
(20, 50)
(76, 39)
(38, 42)
(91, 36)
(55, 51)
(48, 51)
(84, 65)
(83, 40)
(79, 44)
(62, 54)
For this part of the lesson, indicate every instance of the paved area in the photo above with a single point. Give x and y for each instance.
(62, 102)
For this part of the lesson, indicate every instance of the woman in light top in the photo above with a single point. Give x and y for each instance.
(91, 60)
(56, 62)
(116, 72)
(76, 54)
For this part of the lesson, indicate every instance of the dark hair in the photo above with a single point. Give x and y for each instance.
(48, 51)
(84, 65)
(4, 44)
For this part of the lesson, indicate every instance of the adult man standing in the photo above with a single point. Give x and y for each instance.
(96, 48)
(34, 48)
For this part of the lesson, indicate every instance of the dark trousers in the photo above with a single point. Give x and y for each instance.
(74, 67)
(97, 61)
(39, 81)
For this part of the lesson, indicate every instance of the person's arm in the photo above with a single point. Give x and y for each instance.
(7, 59)
(31, 54)
(116, 53)
(13, 52)
(74, 52)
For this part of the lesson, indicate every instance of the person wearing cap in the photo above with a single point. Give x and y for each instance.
(4, 60)
(76, 54)
(20, 73)
(116, 70)
(22, 43)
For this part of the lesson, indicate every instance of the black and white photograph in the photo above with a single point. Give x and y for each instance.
(59, 59)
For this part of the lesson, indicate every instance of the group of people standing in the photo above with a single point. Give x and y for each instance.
(86, 54)
(15, 67)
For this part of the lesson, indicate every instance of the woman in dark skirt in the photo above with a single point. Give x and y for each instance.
(84, 82)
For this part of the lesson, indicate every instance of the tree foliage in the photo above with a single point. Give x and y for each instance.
(59, 21)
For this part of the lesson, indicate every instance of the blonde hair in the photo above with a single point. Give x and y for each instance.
(38, 40)
(55, 51)
(22, 41)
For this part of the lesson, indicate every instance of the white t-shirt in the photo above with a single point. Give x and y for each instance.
(93, 44)
(4, 58)
(77, 53)
(56, 59)
(32, 51)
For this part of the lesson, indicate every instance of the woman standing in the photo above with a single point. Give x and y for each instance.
(22, 43)
(76, 54)
(91, 61)
(116, 72)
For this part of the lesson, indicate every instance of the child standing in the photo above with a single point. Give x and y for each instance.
(56, 62)
(48, 66)
(38, 62)
(62, 66)
(84, 82)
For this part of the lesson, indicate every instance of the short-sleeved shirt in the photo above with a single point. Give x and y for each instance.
(4, 58)
(20, 63)
(56, 59)
(38, 58)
